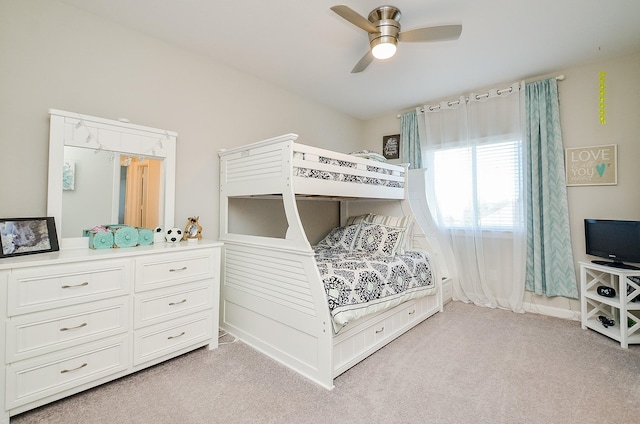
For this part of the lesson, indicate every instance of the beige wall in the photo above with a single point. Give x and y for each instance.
(579, 109)
(55, 56)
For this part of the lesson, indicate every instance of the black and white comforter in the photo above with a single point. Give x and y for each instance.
(345, 176)
(358, 284)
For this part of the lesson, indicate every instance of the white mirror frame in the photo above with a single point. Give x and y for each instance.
(74, 129)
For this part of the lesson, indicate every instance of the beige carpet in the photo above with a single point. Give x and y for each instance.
(466, 365)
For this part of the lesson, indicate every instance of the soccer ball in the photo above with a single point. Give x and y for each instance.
(173, 235)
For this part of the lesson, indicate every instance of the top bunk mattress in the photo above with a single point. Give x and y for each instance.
(280, 165)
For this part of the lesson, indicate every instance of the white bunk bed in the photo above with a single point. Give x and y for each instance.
(273, 297)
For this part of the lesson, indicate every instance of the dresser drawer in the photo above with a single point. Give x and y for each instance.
(31, 380)
(43, 332)
(152, 307)
(163, 339)
(175, 268)
(40, 288)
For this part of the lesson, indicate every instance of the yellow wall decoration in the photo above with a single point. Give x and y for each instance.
(603, 79)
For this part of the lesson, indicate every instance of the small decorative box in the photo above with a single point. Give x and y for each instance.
(158, 235)
(100, 239)
(145, 236)
(124, 235)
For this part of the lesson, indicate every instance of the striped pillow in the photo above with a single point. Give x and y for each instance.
(354, 220)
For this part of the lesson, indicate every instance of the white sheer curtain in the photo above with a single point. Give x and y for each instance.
(474, 155)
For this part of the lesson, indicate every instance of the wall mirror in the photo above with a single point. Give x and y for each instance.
(104, 171)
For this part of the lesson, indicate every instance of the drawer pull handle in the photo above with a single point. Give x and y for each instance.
(175, 337)
(86, 283)
(412, 312)
(184, 268)
(74, 369)
(177, 303)
(380, 330)
(84, 324)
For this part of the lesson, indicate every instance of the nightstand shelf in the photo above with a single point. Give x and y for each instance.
(620, 308)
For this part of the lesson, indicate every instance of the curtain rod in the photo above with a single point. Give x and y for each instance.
(558, 78)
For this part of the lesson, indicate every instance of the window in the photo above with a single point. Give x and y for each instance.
(479, 186)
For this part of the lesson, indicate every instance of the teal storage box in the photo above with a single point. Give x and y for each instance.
(145, 236)
(124, 235)
(100, 239)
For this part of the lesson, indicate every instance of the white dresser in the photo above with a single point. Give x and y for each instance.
(77, 318)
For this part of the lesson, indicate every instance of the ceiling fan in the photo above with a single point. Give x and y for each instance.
(383, 27)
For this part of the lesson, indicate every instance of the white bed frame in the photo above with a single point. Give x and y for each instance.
(272, 295)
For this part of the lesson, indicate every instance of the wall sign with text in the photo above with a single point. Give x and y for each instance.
(391, 146)
(595, 165)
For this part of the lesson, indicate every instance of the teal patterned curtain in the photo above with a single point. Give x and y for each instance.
(550, 269)
(409, 140)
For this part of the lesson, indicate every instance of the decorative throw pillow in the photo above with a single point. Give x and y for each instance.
(395, 221)
(378, 239)
(340, 238)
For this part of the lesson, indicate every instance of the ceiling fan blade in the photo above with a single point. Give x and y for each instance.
(435, 33)
(363, 62)
(352, 16)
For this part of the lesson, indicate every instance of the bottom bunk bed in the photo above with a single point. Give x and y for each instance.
(303, 305)
(268, 303)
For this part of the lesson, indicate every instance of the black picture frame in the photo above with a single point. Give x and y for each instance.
(391, 146)
(27, 236)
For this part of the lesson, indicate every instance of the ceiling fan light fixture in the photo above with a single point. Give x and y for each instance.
(384, 47)
(383, 28)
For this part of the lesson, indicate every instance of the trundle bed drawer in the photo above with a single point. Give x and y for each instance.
(40, 288)
(366, 336)
(31, 380)
(385, 327)
(42, 332)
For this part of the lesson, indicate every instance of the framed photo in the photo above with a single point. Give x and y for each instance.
(595, 165)
(391, 146)
(193, 230)
(25, 236)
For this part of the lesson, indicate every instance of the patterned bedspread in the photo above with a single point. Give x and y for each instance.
(358, 284)
(345, 176)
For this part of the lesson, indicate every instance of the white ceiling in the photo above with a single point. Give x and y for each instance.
(304, 47)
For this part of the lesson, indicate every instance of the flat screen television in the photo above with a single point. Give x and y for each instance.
(617, 241)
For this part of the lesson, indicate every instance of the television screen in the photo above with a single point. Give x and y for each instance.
(618, 241)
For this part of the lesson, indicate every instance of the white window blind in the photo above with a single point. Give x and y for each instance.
(478, 186)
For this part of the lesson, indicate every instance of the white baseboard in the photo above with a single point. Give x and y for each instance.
(551, 311)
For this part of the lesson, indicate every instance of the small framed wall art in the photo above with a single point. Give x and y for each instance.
(25, 236)
(595, 165)
(391, 146)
